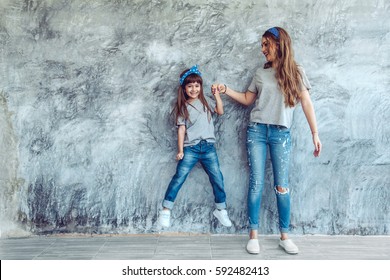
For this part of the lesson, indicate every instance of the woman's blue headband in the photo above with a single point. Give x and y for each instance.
(192, 70)
(274, 31)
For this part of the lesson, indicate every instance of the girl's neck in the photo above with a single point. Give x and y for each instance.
(192, 100)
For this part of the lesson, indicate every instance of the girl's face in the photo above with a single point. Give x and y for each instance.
(269, 49)
(193, 91)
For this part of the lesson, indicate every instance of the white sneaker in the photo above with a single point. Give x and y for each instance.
(222, 217)
(164, 218)
(253, 246)
(289, 246)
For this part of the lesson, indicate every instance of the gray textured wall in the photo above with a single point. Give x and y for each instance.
(87, 87)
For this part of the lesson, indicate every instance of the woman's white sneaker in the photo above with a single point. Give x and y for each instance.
(289, 246)
(253, 246)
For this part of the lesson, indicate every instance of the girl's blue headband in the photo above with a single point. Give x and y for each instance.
(274, 31)
(193, 70)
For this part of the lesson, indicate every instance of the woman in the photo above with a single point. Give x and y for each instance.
(276, 89)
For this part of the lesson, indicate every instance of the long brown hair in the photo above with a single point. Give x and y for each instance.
(182, 97)
(287, 73)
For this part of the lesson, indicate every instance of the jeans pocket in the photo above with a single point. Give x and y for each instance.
(282, 128)
(210, 147)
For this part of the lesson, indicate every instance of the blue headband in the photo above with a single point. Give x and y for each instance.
(193, 70)
(274, 31)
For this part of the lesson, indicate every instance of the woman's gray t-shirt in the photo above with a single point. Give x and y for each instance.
(200, 125)
(269, 106)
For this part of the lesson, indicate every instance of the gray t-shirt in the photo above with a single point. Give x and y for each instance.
(200, 125)
(269, 106)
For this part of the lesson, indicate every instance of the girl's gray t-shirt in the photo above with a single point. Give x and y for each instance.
(200, 125)
(269, 106)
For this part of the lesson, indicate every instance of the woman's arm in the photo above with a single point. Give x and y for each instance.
(181, 131)
(246, 98)
(308, 109)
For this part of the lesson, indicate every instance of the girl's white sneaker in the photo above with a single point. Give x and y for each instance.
(289, 246)
(165, 218)
(223, 217)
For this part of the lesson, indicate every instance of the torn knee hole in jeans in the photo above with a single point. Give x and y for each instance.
(281, 190)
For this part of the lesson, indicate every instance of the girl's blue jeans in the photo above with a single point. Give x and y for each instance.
(278, 139)
(205, 153)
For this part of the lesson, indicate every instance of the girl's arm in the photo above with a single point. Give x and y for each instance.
(219, 104)
(181, 131)
(308, 109)
(246, 98)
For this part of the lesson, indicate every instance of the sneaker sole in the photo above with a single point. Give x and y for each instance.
(253, 252)
(289, 252)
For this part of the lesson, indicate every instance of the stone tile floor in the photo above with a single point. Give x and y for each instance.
(191, 247)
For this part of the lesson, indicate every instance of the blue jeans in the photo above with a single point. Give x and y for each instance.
(277, 138)
(205, 153)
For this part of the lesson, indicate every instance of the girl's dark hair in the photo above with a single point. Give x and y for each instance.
(182, 97)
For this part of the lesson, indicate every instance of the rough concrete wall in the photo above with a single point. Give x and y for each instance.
(88, 87)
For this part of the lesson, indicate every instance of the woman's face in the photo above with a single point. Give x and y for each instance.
(269, 49)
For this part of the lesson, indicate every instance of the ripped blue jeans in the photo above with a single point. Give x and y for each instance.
(278, 139)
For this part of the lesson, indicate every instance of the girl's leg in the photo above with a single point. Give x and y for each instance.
(280, 146)
(209, 161)
(257, 153)
(183, 168)
(210, 164)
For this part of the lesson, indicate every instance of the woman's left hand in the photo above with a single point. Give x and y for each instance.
(317, 145)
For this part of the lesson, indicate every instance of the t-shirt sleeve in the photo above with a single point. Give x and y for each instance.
(180, 121)
(305, 81)
(252, 87)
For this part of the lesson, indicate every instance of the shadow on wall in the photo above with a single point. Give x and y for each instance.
(9, 183)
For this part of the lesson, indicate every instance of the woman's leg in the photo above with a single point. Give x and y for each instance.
(257, 153)
(280, 147)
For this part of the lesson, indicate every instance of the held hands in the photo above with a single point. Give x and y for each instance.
(317, 144)
(218, 89)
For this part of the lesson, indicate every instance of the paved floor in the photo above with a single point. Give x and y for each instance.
(191, 247)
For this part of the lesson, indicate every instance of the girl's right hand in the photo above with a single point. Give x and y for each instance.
(214, 89)
(180, 156)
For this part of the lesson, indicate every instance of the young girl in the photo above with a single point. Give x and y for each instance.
(276, 89)
(195, 144)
